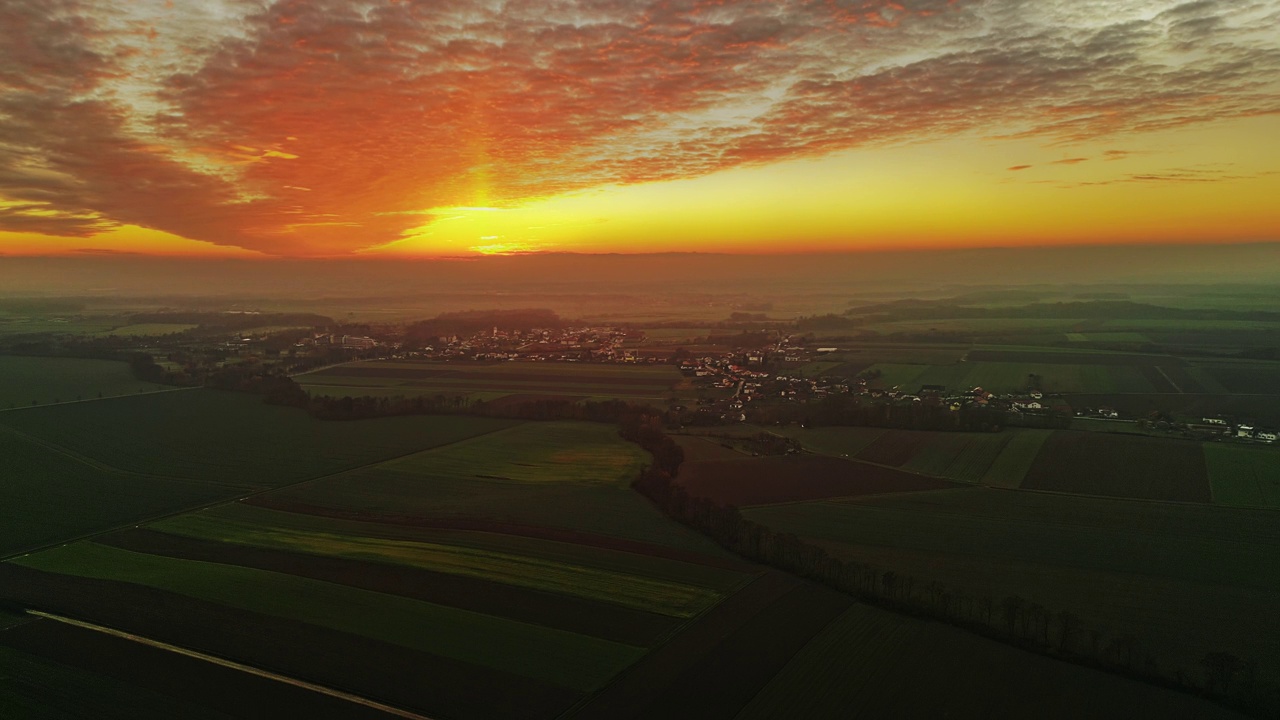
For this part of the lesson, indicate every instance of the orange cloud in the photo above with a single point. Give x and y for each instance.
(320, 127)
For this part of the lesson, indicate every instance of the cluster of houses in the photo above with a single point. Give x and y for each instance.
(574, 344)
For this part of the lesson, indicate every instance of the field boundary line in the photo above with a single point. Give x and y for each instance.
(100, 399)
(233, 665)
(1168, 379)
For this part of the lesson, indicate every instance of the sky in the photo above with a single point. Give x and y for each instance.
(406, 128)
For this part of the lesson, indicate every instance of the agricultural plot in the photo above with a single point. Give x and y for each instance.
(1185, 579)
(146, 330)
(1129, 466)
(32, 686)
(575, 380)
(1108, 337)
(996, 459)
(868, 663)
(25, 381)
(433, 615)
(964, 457)
(1243, 476)
(1011, 466)
(545, 566)
(560, 658)
(973, 326)
(507, 485)
(50, 669)
(791, 478)
(1249, 378)
(232, 438)
(50, 495)
(867, 353)
(29, 325)
(391, 672)
(834, 441)
(1007, 377)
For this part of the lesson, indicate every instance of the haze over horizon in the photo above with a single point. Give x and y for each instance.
(359, 128)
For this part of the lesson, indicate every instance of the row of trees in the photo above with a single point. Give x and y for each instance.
(1013, 619)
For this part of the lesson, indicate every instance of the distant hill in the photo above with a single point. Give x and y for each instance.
(1103, 309)
(474, 321)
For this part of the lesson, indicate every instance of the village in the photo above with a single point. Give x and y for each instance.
(739, 385)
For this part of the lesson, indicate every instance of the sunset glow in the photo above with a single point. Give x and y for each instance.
(372, 128)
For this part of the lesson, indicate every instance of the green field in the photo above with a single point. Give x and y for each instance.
(551, 452)
(79, 325)
(836, 441)
(997, 459)
(471, 482)
(1007, 470)
(233, 438)
(267, 520)
(490, 381)
(911, 668)
(1007, 377)
(50, 495)
(146, 330)
(47, 380)
(1182, 578)
(561, 658)
(974, 326)
(1244, 476)
(87, 467)
(506, 565)
(34, 687)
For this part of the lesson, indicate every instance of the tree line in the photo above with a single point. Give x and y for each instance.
(1013, 619)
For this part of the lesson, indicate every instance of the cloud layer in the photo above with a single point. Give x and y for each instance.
(325, 126)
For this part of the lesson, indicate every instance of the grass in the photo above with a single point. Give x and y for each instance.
(47, 380)
(1243, 476)
(1185, 579)
(518, 569)
(561, 658)
(1011, 466)
(230, 437)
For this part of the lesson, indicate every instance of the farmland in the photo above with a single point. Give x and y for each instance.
(1120, 466)
(42, 381)
(187, 434)
(490, 381)
(1244, 476)
(1006, 377)
(998, 459)
(86, 467)
(146, 329)
(1179, 577)
(891, 653)
(423, 561)
(794, 478)
(1081, 462)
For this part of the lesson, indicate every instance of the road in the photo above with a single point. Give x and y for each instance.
(348, 697)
